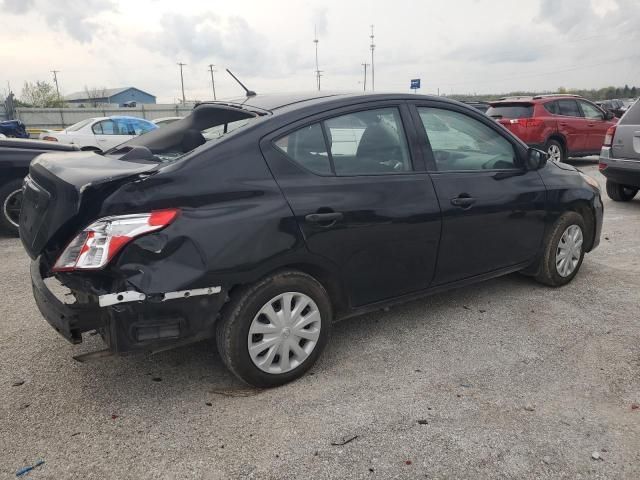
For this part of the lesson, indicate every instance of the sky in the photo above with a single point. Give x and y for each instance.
(453, 46)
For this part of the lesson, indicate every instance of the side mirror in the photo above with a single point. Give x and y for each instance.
(609, 115)
(536, 159)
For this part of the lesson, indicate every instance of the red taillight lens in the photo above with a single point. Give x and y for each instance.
(49, 139)
(602, 166)
(608, 138)
(100, 242)
(527, 122)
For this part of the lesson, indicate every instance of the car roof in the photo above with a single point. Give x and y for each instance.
(280, 103)
(534, 98)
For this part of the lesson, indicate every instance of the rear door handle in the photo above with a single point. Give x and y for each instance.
(463, 202)
(324, 217)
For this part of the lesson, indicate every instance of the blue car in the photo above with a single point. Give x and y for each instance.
(13, 128)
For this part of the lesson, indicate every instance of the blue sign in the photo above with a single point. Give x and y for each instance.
(415, 83)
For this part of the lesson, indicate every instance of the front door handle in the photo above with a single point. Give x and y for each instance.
(463, 201)
(329, 217)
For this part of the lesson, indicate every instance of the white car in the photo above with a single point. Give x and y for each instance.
(100, 134)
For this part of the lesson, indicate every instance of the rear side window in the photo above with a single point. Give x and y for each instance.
(590, 111)
(569, 108)
(369, 142)
(632, 116)
(307, 148)
(552, 107)
(142, 126)
(511, 110)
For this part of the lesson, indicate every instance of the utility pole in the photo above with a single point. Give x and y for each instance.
(213, 83)
(372, 46)
(182, 82)
(55, 80)
(318, 71)
(365, 65)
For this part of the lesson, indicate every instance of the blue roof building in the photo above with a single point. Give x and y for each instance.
(119, 96)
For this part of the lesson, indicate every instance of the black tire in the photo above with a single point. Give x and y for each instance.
(232, 329)
(548, 272)
(620, 193)
(10, 199)
(551, 147)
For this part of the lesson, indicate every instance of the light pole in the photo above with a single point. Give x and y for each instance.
(372, 46)
(365, 65)
(318, 71)
(182, 82)
(213, 83)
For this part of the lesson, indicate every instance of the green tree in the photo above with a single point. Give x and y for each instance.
(40, 94)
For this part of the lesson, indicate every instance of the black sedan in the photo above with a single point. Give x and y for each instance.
(15, 157)
(261, 221)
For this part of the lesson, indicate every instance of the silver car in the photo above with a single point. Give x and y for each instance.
(620, 156)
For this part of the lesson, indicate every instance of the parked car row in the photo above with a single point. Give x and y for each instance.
(261, 222)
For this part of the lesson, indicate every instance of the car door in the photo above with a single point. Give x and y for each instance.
(109, 133)
(572, 125)
(361, 197)
(492, 208)
(597, 125)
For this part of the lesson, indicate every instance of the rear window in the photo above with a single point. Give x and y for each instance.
(510, 110)
(632, 116)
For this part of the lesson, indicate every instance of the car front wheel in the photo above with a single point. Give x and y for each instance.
(563, 250)
(620, 193)
(272, 332)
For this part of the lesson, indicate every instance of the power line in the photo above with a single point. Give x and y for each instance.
(213, 83)
(182, 82)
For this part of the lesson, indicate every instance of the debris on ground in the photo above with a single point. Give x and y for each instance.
(114, 416)
(236, 392)
(546, 460)
(344, 440)
(423, 422)
(25, 470)
(596, 456)
(156, 379)
(408, 462)
(635, 406)
(529, 408)
(17, 383)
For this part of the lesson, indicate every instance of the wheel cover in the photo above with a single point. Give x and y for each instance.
(11, 207)
(284, 332)
(569, 250)
(554, 152)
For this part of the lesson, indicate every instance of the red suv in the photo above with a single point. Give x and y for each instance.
(562, 125)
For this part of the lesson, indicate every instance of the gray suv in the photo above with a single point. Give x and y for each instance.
(620, 156)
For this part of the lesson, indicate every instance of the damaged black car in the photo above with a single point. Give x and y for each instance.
(260, 222)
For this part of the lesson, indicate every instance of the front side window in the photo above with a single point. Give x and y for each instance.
(368, 143)
(105, 127)
(590, 111)
(307, 147)
(552, 107)
(460, 142)
(569, 108)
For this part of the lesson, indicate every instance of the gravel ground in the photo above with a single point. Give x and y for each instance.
(505, 379)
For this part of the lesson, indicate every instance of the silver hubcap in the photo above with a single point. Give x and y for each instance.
(555, 153)
(11, 207)
(569, 250)
(284, 332)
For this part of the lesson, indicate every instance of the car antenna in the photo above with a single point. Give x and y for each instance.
(250, 93)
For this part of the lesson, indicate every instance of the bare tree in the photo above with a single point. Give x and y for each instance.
(40, 94)
(96, 96)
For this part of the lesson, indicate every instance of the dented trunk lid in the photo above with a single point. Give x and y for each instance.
(60, 185)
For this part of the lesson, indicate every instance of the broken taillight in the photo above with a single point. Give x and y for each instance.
(96, 245)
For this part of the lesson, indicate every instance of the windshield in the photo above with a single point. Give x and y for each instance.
(207, 123)
(79, 125)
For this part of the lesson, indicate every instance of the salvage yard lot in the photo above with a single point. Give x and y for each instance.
(504, 379)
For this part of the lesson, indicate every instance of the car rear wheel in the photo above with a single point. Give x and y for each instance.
(11, 201)
(563, 251)
(272, 332)
(555, 151)
(620, 193)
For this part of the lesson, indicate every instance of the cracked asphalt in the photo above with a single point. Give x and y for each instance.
(504, 379)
